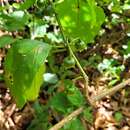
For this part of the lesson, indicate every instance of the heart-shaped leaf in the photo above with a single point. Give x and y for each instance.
(24, 68)
(80, 19)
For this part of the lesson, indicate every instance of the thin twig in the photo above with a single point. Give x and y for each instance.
(84, 75)
(67, 119)
(110, 91)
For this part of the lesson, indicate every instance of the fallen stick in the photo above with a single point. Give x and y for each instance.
(94, 99)
(67, 119)
(110, 91)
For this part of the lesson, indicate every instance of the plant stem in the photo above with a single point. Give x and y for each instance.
(75, 58)
(59, 50)
(86, 91)
(67, 119)
(77, 78)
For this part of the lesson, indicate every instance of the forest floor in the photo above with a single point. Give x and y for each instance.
(118, 105)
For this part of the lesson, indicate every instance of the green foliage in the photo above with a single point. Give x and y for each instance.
(80, 19)
(88, 114)
(111, 68)
(66, 101)
(73, 94)
(92, 61)
(24, 64)
(75, 124)
(40, 122)
(14, 21)
(24, 67)
(78, 45)
(128, 48)
(34, 26)
(118, 116)
(5, 40)
(59, 102)
(27, 4)
(1, 77)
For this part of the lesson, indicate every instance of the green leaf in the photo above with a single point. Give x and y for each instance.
(116, 7)
(111, 68)
(5, 40)
(128, 47)
(24, 68)
(14, 21)
(27, 4)
(80, 19)
(73, 94)
(88, 114)
(118, 116)
(113, 82)
(59, 102)
(74, 124)
(40, 121)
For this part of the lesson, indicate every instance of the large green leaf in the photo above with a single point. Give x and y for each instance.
(24, 68)
(80, 19)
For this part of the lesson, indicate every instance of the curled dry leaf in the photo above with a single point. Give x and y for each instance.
(104, 118)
